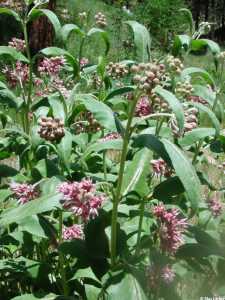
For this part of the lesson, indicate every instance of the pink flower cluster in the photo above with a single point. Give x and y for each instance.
(51, 66)
(215, 206)
(73, 232)
(81, 198)
(24, 192)
(160, 168)
(84, 61)
(156, 274)
(19, 74)
(143, 107)
(111, 136)
(171, 228)
(17, 44)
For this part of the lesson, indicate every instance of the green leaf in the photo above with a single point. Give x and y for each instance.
(104, 145)
(199, 72)
(103, 34)
(32, 225)
(186, 172)
(67, 29)
(5, 194)
(7, 11)
(126, 289)
(13, 53)
(57, 107)
(36, 13)
(120, 91)
(9, 98)
(198, 47)
(84, 273)
(142, 41)
(174, 104)
(180, 42)
(211, 115)
(168, 188)
(7, 171)
(34, 207)
(153, 143)
(188, 16)
(136, 172)
(204, 92)
(196, 135)
(32, 297)
(65, 148)
(102, 113)
(213, 47)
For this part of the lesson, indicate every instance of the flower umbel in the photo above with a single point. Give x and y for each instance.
(73, 232)
(171, 228)
(81, 198)
(24, 192)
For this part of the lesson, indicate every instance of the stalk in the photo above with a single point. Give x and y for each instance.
(117, 197)
(29, 100)
(61, 257)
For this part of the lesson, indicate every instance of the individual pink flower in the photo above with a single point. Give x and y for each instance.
(73, 232)
(215, 206)
(84, 61)
(81, 198)
(167, 274)
(160, 168)
(24, 192)
(171, 228)
(17, 44)
(143, 107)
(51, 66)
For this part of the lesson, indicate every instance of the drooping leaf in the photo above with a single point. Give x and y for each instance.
(104, 145)
(213, 46)
(142, 41)
(180, 42)
(136, 173)
(168, 188)
(204, 92)
(119, 91)
(13, 54)
(103, 34)
(174, 104)
(102, 113)
(10, 12)
(188, 16)
(34, 207)
(186, 172)
(67, 29)
(193, 71)
(196, 135)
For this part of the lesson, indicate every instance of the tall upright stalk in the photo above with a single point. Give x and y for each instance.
(118, 195)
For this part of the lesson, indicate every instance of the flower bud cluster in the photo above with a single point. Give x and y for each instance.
(17, 44)
(143, 107)
(112, 154)
(171, 228)
(84, 61)
(18, 75)
(184, 89)
(160, 168)
(174, 64)
(116, 70)
(148, 75)
(51, 66)
(197, 99)
(158, 104)
(215, 206)
(100, 20)
(24, 192)
(87, 123)
(82, 16)
(190, 123)
(51, 129)
(73, 232)
(81, 198)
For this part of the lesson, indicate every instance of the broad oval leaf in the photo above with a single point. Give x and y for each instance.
(104, 145)
(197, 71)
(120, 91)
(34, 207)
(180, 42)
(136, 172)
(67, 29)
(104, 36)
(10, 12)
(13, 53)
(174, 104)
(65, 148)
(142, 41)
(186, 172)
(196, 135)
(102, 113)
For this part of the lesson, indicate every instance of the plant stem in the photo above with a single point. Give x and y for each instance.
(142, 210)
(117, 197)
(197, 152)
(28, 103)
(61, 257)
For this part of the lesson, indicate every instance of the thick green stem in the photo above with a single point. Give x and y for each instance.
(29, 93)
(142, 211)
(117, 197)
(61, 257)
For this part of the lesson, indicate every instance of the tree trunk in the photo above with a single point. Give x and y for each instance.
(41, 32)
